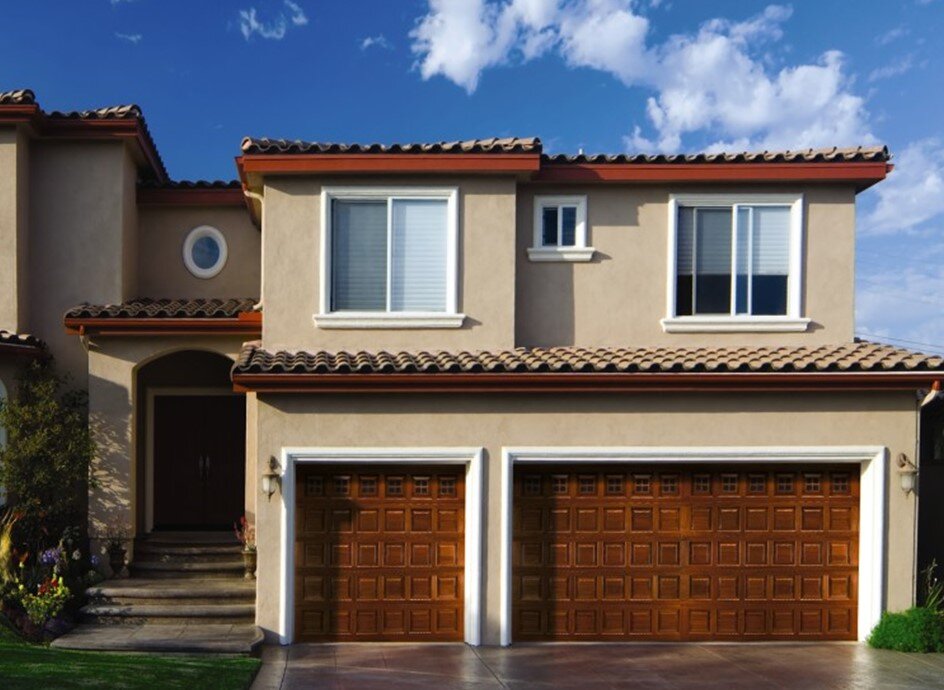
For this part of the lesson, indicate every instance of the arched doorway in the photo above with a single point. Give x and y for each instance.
(194, 443)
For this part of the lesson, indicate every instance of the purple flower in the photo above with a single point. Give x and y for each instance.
(50, 556)
(96, 560)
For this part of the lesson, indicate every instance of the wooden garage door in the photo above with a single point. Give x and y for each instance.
(691, 553)
(379, 553)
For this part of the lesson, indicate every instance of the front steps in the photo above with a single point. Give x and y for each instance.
(185, 593)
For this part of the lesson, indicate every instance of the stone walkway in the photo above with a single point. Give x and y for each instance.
(592, 666)
(209, 638)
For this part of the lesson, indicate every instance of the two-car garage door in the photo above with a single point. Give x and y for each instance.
(616, 552)
(689, 553)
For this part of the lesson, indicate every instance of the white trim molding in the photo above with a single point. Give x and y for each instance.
(872, 461)
(791, 322)
(471, 458)
(579, 251)
(195, 235)
(326, 318)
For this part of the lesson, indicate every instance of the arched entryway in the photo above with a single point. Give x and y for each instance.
(192, 441)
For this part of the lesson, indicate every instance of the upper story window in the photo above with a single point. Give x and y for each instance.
(389, 259)
(205, 251)
(560, 229)
(735, 263)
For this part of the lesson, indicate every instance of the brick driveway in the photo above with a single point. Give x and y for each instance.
(590, 666)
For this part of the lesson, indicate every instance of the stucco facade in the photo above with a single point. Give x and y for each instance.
(116, 236)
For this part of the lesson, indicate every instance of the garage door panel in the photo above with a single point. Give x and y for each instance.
(380, 554)
(695, 553)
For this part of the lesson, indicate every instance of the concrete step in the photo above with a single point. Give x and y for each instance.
(147, 547)
(225, 638)
(180, 569)
(186, 591)
(189, 538)
(198, 557)
(167, 614)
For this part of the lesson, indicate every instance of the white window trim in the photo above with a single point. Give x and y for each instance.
(450, 318)
(873, 486)
(199, 233)
(792, 321)
(580, 252)
(474, 509)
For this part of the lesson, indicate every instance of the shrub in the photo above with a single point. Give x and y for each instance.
(45, 464)
(918, 629)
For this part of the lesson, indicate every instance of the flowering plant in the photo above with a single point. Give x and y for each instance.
(50, 598)
(245, 533)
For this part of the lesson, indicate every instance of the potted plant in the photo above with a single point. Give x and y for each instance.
(246, 534)
(115, 546)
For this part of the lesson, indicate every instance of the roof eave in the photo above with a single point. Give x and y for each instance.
(597, 382)
(248, 324)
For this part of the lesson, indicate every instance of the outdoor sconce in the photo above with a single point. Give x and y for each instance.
(907, 473)
(271, 479)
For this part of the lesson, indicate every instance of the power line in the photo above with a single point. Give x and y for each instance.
(899, 340)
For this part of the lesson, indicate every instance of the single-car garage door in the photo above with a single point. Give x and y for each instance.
(686, 553)
(379, 553)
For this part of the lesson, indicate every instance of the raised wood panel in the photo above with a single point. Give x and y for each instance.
(379, 554)
(695, 553)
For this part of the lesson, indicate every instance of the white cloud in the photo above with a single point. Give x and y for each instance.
(716, 80)
(893, 69)
(891, 35)
(378, 41)
(275, 28)
(130, 38)
(912, 195)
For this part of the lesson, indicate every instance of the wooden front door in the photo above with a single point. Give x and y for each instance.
(199, 461)
(379, 554)
(685, 553)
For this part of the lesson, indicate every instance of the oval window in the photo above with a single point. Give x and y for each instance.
(205, 251)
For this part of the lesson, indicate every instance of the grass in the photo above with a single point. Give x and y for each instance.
(24, 665)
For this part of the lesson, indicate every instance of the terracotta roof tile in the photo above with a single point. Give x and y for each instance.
(146, 308)
(18, 97)
(20, 339)
(491, 145)
(859, 356)
(857, 154)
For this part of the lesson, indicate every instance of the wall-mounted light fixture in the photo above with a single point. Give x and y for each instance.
(272, 478)
(907, 473)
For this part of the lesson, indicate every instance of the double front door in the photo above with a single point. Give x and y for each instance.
(199, 461)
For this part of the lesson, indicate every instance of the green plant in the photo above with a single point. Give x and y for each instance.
(933, 588)
(245, 534)
(918, 629)
(45, 463)
(50, 598)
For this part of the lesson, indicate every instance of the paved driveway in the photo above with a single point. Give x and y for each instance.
(592, 666)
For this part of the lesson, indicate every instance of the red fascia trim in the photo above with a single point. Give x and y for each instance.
(868, 173)
(577, 382)
(194, 196)
(163, 326)
(389, 163)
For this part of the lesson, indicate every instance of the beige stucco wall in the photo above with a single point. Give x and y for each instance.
(14, 237)
(82, 233)
(292, 217)
(494, 422)
(114, 401)
(160, 267)
(620, 297)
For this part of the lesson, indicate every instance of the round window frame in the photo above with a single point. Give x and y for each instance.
(194, 236)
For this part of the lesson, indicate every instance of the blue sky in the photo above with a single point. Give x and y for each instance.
(601, 75)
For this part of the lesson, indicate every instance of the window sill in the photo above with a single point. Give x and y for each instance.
(387, 320)
(734, 324)
(571, 254)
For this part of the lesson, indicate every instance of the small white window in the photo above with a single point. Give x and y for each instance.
(389, 259)
(205, 251)
(735, 263)
(560, 229)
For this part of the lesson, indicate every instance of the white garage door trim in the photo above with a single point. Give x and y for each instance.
(872, 461)
(470, 457)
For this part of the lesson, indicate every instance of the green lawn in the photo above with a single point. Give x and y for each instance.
(34, 666)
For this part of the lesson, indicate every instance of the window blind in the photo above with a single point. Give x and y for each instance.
(418, 255)
(359, 256)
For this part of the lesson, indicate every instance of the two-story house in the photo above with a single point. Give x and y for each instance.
(472, 391)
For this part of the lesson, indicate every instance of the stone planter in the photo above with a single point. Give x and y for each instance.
(116, 559)
(249, 564)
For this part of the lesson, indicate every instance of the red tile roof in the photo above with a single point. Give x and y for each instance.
(491, 145)
(147, 308)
